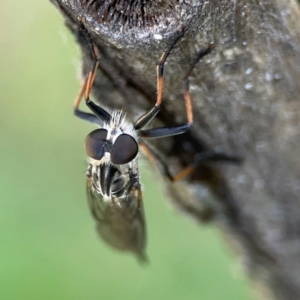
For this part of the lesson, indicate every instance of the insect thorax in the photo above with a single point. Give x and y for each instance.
(113, 181)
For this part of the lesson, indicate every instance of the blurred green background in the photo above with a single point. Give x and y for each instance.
(49, 248)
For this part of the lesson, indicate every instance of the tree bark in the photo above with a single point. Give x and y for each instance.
(246, 103)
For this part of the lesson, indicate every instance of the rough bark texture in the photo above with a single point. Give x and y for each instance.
(246, 98)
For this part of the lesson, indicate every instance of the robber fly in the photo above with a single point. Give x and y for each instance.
(113, 180)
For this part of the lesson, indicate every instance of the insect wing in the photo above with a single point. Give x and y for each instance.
(120, 222)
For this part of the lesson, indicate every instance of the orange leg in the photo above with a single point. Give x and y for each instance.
(199, 159)
(88, 83)
(153, 157)
(160, 70)
(87, 86)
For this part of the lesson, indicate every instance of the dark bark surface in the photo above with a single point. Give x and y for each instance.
(246, 99)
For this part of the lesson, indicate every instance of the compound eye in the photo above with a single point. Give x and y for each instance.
(124, 149)
(94, 143)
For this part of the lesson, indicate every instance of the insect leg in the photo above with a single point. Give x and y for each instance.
(81, 114)
(204, 157)
(170, 131)
(199, 159)
(94, 58)
(161, 132)
(147, 117)
(153, 156)
(187, 95)
(100, 114)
